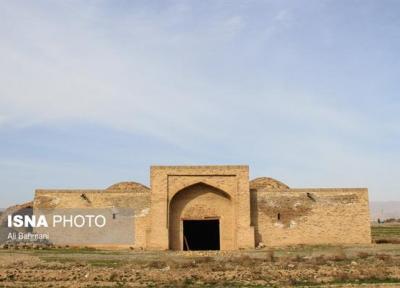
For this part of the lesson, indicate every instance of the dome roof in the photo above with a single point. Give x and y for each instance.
(267, 183)
(128, 186)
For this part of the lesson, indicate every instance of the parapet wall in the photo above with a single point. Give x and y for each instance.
(310, 216)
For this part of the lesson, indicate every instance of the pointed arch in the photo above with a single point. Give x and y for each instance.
(205, 185)
(200, 201)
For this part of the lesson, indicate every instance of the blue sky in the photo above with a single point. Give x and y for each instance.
(94, 92)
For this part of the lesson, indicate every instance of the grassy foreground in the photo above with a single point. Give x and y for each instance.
(376, 265)
(299, 266)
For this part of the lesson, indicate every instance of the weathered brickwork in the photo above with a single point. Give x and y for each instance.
(284, 216)
(263, 210)
(121, 195)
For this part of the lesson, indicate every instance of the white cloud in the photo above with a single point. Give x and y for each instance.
(129, 72)
(154, 72)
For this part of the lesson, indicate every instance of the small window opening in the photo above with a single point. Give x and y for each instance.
(279, 216)
(114, 216)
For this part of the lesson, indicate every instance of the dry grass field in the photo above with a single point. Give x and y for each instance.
(386, 233)
(376, 265)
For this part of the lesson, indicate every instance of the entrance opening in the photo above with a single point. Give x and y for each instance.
(201, 234)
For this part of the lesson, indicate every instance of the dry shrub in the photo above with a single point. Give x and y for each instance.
(384, 257)
(376, 274)
(206, 259)
(157, 264)
(320, 260)
(381, 241)
(387, 241)
(363, 255)
(340, 256)
(244, 260)
(220, 267)
(298, 258)
(113, 276)
(271, 256)
(188, 281)
(343, 277)
(87, 248)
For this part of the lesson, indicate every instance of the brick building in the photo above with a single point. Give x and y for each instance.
(217, 207)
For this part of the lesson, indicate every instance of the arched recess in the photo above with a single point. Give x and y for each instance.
(201, 201)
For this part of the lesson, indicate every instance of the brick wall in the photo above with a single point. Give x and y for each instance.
(262, 210)
(137, 199)
(310, 216)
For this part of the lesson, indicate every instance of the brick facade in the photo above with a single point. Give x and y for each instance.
(263, 210)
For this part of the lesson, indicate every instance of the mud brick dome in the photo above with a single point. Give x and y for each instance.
(218, 208)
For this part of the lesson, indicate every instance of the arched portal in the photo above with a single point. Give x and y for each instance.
(199, 215)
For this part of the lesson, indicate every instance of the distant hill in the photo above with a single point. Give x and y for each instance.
(384, 210)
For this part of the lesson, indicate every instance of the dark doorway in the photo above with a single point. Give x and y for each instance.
(201, 234)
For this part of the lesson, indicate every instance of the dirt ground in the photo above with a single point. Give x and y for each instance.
(299, 266)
